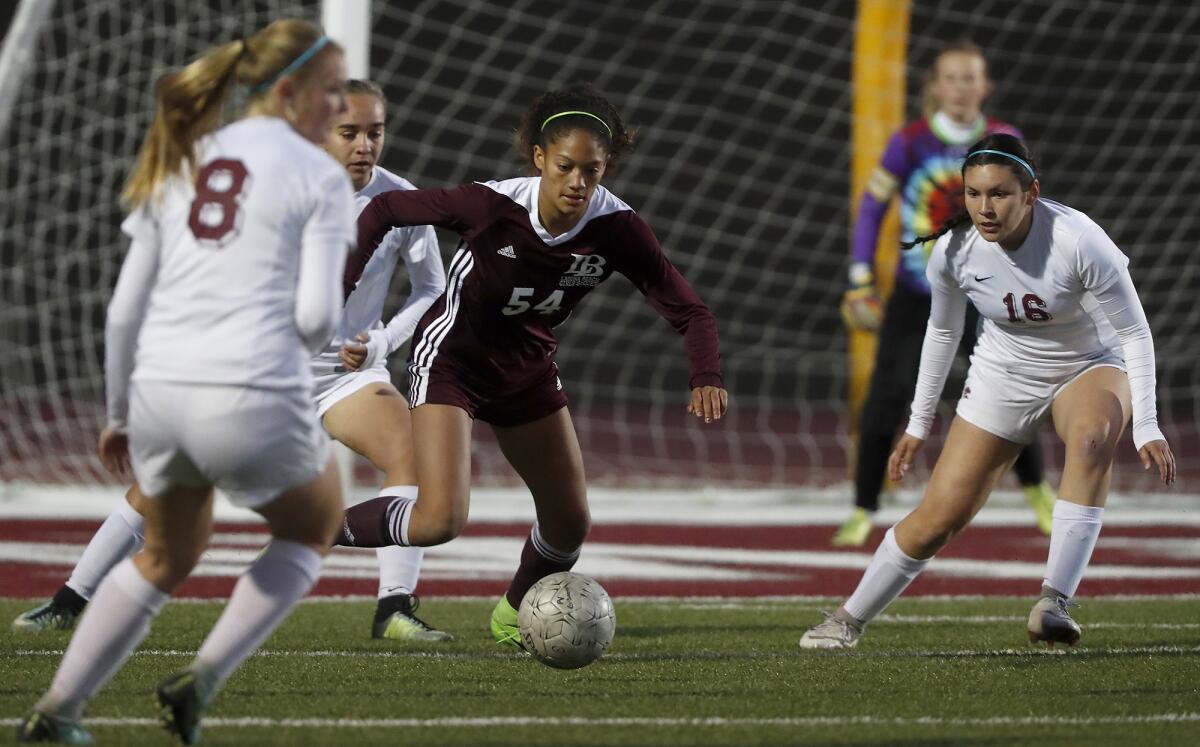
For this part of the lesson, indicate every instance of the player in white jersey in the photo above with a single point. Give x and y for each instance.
(1063, 334)
(231, 284)
(356, 402)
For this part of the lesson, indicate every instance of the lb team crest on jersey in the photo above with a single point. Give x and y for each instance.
(585, 269)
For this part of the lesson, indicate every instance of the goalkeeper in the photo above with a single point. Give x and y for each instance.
(923, 164)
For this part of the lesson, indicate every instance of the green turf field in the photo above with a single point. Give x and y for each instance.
(703, 672)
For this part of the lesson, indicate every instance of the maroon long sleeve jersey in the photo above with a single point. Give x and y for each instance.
(510, 282)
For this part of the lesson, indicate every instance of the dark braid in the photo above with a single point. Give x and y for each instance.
(996, 141)
(953, 222)
(579, 97)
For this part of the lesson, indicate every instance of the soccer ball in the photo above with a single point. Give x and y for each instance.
(566, 620)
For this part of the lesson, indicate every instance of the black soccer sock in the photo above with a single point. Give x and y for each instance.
(538, 560)
(376, 522)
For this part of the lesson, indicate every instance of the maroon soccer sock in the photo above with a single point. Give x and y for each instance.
(376, 522)
(538, 560)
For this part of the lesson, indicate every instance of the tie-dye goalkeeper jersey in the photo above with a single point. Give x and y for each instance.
(927, 167)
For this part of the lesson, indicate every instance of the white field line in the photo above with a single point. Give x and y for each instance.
(985, 619)
(696, 655)
(798, 721)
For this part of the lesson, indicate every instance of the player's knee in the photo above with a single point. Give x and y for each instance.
(439, 522)
(167, 568)
(1094, 444)
(442, 529)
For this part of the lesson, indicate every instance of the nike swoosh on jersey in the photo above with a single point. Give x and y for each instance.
(985, 277)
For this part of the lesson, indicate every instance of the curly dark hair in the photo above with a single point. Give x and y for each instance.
(997, 141)
(605, 122)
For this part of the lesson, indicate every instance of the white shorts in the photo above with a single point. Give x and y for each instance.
(253, 444)
(333, 389)
(1012, 405)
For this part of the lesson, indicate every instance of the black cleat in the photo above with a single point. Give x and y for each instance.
(60, 613)
(182, 700)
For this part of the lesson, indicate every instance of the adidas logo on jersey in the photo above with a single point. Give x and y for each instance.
(507, 251)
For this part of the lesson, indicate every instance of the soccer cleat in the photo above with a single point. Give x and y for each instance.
(838, 631)
(855, 531)
(396, 619)
(60, 613)
(1050, 620)
(42, 727)
(504, 624)
(182, 698)
(1041, 498)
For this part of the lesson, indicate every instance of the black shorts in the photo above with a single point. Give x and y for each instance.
(447, 384)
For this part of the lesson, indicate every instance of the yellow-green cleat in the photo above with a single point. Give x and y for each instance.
(504, 625)
(1041, 498)
(854, 531)
(396, 619)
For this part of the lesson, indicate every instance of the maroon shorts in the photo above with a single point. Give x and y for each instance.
(444, 385)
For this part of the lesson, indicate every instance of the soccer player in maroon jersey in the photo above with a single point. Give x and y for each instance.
(531, 249)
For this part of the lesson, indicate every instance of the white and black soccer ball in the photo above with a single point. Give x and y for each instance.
(567, 620)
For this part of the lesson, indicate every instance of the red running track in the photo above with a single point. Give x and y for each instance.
(36, 556)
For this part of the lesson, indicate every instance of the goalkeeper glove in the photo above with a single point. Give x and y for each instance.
(860, 305)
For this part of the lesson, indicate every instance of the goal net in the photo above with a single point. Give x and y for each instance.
(742, 169)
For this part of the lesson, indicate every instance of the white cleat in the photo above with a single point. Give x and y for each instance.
(1050, 621)
(838, 631)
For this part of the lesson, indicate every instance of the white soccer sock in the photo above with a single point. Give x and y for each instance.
(1076, 529)
(120, 536)
(263, 597)
(888, 575)
(115, 622)
(399, 567)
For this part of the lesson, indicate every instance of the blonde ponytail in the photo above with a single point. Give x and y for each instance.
(191, 101)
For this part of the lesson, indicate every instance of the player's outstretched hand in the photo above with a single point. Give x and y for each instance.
(709, 402)
(901, 459)
(1159, 453)
(113, 448)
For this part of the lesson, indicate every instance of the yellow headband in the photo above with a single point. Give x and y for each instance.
(553, 117)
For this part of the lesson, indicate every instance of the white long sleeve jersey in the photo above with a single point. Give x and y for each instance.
(418, 247)
(1048, 309)
(233, 277)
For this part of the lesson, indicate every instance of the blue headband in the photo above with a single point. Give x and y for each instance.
(292, 66)
(1018, 159)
